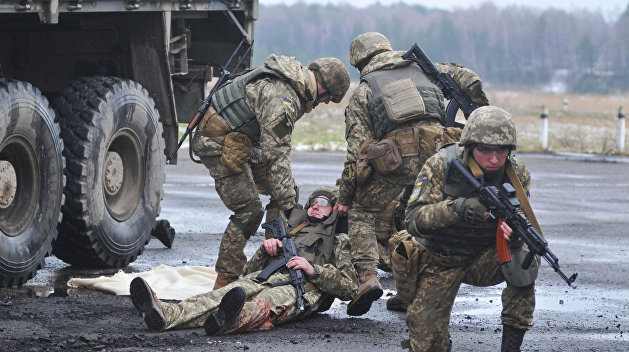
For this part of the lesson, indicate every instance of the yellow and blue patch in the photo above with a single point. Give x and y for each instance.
(416, 189)
(287, 102)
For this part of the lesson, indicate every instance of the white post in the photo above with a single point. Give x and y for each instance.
(621, 129)
(565, 104)
(544, 132)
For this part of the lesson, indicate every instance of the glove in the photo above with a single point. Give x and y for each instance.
(471, 210)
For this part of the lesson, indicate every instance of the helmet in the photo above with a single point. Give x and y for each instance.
(367, 45)
(489, 125)
(334, 75)
(331, 192)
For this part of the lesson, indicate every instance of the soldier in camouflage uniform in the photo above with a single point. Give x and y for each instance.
(456, 238)
(245, 140)
(249, 305)
(395, 103)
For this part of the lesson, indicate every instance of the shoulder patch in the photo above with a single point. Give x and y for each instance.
(287, 102)
(416, 189)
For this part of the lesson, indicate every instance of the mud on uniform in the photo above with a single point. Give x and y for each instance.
(263, 105)
(268, 306)
(452, 251)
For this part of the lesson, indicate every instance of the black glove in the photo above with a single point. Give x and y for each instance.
(472, 210)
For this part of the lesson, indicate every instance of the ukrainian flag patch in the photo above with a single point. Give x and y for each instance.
(419, 182)
(415, 194)
(287, 102)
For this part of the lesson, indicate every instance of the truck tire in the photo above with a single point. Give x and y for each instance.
(31, 181)
(115, 173)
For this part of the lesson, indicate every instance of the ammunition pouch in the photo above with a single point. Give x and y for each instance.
(384, 156)
(405, 263)
(431, 138)
(213, 125)
(363, 168)
(237, 149)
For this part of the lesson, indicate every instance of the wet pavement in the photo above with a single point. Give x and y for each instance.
(582, 203)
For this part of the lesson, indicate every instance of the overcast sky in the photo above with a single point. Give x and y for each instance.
(611, 9)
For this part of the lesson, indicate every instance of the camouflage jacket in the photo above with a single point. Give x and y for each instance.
(430, 209)
(277, 105)
(358, 123)
(339, 280)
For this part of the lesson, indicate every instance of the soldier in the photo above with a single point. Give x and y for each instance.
(249, 305)
(455, 238)
(393, 123)
(244, 140)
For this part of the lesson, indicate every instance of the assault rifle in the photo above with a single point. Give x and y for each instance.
(449, 88)
(505, 205)
(206, 103)
(297, 277)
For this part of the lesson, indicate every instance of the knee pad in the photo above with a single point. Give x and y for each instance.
(248, 219)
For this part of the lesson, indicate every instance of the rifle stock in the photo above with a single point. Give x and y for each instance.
(206, 103)
(445, 82)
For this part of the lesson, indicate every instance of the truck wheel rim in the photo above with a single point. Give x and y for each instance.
(19, 185)
(123, 174)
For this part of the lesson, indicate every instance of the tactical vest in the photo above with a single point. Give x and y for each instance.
(431, 97)
(315, 242)
(230, 102)
(462, 238)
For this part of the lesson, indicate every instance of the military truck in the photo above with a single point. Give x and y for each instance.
(91, 95)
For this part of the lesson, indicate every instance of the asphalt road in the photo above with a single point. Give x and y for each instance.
(581, 202)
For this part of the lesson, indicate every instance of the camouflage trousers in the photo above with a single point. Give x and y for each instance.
(370, 227)
(265, 307)
(428, 317)
(240, 194)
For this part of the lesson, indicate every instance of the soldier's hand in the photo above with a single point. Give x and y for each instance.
(297, 262)
(474, 211)
(343, 209)
(506, 230)
(271, 245)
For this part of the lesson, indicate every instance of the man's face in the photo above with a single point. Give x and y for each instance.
(320, 207)
(490, 157)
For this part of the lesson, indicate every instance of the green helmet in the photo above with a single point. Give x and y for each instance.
(489, 125)
(334, 75)
(331, 192)
(366, 46)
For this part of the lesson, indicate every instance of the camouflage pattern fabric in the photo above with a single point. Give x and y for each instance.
(368, 200)
(428, 317)
(367, 45)
(269, 306)
(489, 125)
(277, 105)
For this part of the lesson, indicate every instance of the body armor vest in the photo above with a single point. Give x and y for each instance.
(230, 103)
(431, 98)
(462, 238)
(315, 242)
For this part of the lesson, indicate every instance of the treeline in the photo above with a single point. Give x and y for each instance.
(509, 47)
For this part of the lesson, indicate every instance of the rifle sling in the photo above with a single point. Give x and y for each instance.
(298, 228)
(524, 200)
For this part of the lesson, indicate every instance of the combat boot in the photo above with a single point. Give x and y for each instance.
(396, 304)
(511, 338)
(223, 280)
(368, 291)
(146, 302)
(164, 232)
(228, 309)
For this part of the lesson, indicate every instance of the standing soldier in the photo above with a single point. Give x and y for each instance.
(244, 140)
(455, 239)
(393, 123)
